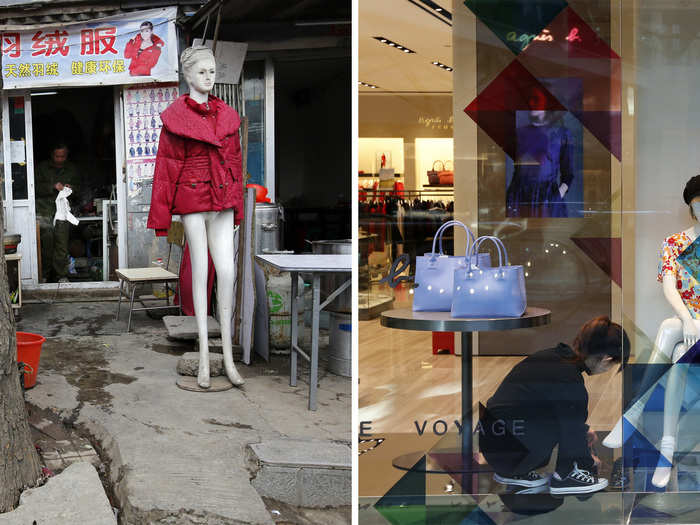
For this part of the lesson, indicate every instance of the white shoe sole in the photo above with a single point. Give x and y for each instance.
(521, 482)
(579, 490)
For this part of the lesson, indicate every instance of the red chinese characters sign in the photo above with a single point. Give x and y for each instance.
(133, 48)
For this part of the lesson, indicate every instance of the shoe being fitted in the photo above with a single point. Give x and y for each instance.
(576, 482)
(531, 479)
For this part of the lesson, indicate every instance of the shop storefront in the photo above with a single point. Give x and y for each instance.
(91, 92)
(571, 127)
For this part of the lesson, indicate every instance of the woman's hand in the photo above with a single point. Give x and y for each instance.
(690, 333)
(563, 188)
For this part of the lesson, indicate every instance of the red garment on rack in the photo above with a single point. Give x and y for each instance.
(185, 283)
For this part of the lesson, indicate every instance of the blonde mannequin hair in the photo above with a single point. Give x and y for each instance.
(190, 55)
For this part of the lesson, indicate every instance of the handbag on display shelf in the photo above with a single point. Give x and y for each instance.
(446, 176)
(489, 292)
(435, 273)
(433, 174)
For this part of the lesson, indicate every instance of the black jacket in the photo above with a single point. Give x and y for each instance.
(546, 391)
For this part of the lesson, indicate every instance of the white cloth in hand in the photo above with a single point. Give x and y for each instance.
(63, 208)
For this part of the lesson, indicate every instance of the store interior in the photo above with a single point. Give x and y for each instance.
(83, 120)
(411, 380)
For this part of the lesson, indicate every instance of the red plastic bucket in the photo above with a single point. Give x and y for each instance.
(28, 352)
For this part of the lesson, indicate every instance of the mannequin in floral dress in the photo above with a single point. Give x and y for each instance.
(680, 275)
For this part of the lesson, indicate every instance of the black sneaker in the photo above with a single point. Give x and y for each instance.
(576, 482)
(531, 479)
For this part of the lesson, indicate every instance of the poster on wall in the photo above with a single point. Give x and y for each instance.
(142, 125)
(545, 179)
(129, 48)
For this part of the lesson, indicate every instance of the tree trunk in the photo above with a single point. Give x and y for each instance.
(19, 461)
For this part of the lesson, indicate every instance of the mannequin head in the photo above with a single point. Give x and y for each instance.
(691, 196)
(199, 70)
(601, 344)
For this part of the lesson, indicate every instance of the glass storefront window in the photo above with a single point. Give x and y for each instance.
(254, 96)
(18, 147)
(565, 130)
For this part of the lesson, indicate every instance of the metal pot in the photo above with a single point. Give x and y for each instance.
(329, 283)
(268, 234)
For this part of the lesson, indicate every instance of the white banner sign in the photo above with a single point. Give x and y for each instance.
(129, 48)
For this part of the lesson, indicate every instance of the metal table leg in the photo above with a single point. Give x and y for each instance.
(119, 304)
(313, 378)
(131, 306)
(294, 330)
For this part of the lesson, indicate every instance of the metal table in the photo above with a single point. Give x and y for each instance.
(460, 460)
(315, 264)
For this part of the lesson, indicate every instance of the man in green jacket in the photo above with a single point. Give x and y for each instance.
(50, 177)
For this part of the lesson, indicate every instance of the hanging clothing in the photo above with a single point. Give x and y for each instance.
(184, 298)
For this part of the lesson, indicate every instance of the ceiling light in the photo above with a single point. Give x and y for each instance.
(393, 44)
(365, 84)
(437, 8)
(442, 66)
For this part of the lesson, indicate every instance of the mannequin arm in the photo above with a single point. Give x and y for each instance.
(690, 334)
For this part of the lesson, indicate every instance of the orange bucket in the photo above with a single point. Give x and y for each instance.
(28, 352)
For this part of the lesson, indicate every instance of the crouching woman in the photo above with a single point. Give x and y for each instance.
(542, 403)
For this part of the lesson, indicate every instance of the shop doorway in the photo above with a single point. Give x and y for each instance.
(74, 144)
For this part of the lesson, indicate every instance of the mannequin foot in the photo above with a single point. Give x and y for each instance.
(234, 376)
(203, 376)
(614, 439)
(618, 435)
(662, 474)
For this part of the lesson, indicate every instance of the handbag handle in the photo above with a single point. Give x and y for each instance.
(502, 252)
(448, 224)
(444, 165)
(441, 163)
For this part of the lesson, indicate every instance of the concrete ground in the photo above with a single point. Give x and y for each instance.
(175, 456)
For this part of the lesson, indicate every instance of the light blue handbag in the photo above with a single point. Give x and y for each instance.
(489, 292)
(435, 273)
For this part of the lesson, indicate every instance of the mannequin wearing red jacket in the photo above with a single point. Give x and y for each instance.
(198, 176)
(143, 50)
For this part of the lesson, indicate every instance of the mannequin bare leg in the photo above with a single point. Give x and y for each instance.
(667, 348)
(675, 390)
(196, 235)
(220, 236)
(670, 333)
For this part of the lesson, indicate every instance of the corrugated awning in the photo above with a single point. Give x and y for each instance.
(28, 14)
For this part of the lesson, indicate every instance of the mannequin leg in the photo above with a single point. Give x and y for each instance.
(673, 399)
(669, 335)
(195, 232)
(220, 235)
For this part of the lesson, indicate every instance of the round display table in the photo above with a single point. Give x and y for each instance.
(459, 460)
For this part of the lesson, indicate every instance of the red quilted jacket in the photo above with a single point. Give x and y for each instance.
(142, 60)
(198, 165)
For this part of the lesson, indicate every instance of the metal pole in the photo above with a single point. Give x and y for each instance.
(467, 450)
(216, 31)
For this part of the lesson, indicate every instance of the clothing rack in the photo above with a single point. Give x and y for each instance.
(435, 192)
